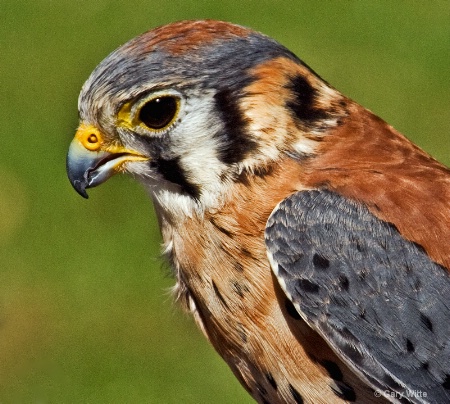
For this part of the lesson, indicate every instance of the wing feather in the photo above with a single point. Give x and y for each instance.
(378, 299)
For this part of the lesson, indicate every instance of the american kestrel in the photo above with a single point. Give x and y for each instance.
(309, 239)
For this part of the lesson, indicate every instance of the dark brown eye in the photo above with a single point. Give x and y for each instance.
(159, 112)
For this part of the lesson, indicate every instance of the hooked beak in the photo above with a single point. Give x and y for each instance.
(91, 163)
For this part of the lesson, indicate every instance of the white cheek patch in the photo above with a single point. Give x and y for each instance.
(194, 140)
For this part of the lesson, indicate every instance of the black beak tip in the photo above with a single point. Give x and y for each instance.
(77, 173)
(80, 187)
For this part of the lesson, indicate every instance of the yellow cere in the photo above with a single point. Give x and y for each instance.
(90, 137)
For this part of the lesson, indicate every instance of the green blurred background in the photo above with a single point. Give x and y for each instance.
(85, 313)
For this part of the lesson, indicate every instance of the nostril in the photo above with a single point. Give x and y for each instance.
(92, 138)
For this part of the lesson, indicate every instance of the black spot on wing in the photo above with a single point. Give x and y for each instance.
(172, 171)
(320, 262)
(303, 105)
(409, 345)
(308, 286)
(344, 282)
(380, 301)
(426, 322)
(235, 143)
(446, 383)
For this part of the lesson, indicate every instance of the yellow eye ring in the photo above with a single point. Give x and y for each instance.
(153, 113)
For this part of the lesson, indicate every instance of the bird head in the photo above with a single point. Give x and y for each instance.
(190, 107)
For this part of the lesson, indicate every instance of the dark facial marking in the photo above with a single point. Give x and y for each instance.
(173, 172)
(235, 142)
(295, 394)
(291, 310)
(303, 103)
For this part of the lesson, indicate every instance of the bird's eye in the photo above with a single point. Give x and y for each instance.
(159, 112)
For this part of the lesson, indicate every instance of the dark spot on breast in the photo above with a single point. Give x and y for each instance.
(344, 282)
(308, 286)
(235, 143)
(320, 262)
(426, 322)
(409, 345)
(333, 370)
(295, 394)
(271, 380)
(219, 295)
(172, 171)
(246, 252)
(238, 266)
(446, 383)
(242, 332)
(291, 310)
(425, 366)
(303, 102)
(239, 288)
(344, 391)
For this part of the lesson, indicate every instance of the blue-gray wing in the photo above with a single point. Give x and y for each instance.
(376, 298)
